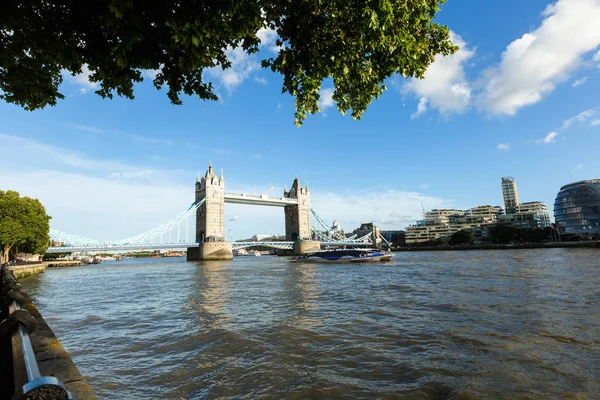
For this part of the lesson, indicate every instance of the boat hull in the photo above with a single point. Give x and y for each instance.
(344, 257)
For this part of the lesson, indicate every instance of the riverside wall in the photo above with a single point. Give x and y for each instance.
(52, 359)
(23, 271)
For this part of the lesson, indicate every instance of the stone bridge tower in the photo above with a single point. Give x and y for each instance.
(210, 219)
(209, 216)
(297, 219)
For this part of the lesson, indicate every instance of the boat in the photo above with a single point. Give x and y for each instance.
(345, 255)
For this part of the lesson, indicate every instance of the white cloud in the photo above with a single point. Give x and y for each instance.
(504, 146)
(87, 128)
(151, 73)
(145, 139)
(549, 138)
(260, 79)
(268, 38)
(83, 80)
(242, 65)
(326, 99)
(578, 167)
(47, 156)
(534, 64)
(235, 218)
(445, 86)
(579, 82)
(425, 186)
(581, 117)
(596, 56)
(103, 208)
(595, 122)
(421, 108)
(95, 198)
(135, 138)
(390, 209)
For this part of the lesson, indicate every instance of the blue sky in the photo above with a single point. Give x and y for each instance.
(520, 99)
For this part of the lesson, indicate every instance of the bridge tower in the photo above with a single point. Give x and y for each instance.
(297, 219)
(210, 218)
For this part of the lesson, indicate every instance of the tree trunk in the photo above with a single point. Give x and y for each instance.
(13, 252)
(5, 251)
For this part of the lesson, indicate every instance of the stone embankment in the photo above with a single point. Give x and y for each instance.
(551, 245)
(23, 270)
(34, 363)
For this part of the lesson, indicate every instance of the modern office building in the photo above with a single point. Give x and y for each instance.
(441, 216)
(531, 215)
(510, 194)
(487, 214)
(577, 208)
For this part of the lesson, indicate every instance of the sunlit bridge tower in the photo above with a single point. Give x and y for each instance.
(210, 218)
(297, 216)
(297, 219)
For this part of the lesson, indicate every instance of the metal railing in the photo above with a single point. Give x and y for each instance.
(18, 323)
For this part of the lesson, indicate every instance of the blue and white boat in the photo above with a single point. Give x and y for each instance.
(345, 255)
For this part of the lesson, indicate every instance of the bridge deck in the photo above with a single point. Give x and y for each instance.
(259, 199)
(125, 247)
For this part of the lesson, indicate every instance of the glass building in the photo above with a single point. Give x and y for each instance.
(510, 194)
(577, 208)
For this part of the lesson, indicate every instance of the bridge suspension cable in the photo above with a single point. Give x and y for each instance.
(164, 228)
(72, 239)
(135, 240)
(328, 233)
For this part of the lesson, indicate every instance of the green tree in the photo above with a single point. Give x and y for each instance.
(462, 237)
(24, 224)
(503, 234)
(357, 43)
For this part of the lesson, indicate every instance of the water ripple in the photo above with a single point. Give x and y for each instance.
(432, 325)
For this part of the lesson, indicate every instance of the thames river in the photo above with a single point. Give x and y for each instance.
(501, 324)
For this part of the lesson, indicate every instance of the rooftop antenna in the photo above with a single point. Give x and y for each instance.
(422, 208)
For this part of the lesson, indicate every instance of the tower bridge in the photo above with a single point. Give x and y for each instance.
(210, 242)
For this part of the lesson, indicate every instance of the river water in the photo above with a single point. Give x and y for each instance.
(428, 325)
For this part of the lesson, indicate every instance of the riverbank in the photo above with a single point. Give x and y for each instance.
(45, 355)
(515, 246)
(27, 269)
(54, 360)
(23, 271)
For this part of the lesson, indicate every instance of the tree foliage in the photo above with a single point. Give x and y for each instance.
(503, 234)
(510, 234)
(24, 224)
(357, 43)
(464, 236)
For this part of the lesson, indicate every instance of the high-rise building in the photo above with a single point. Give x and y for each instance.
(510, 194)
